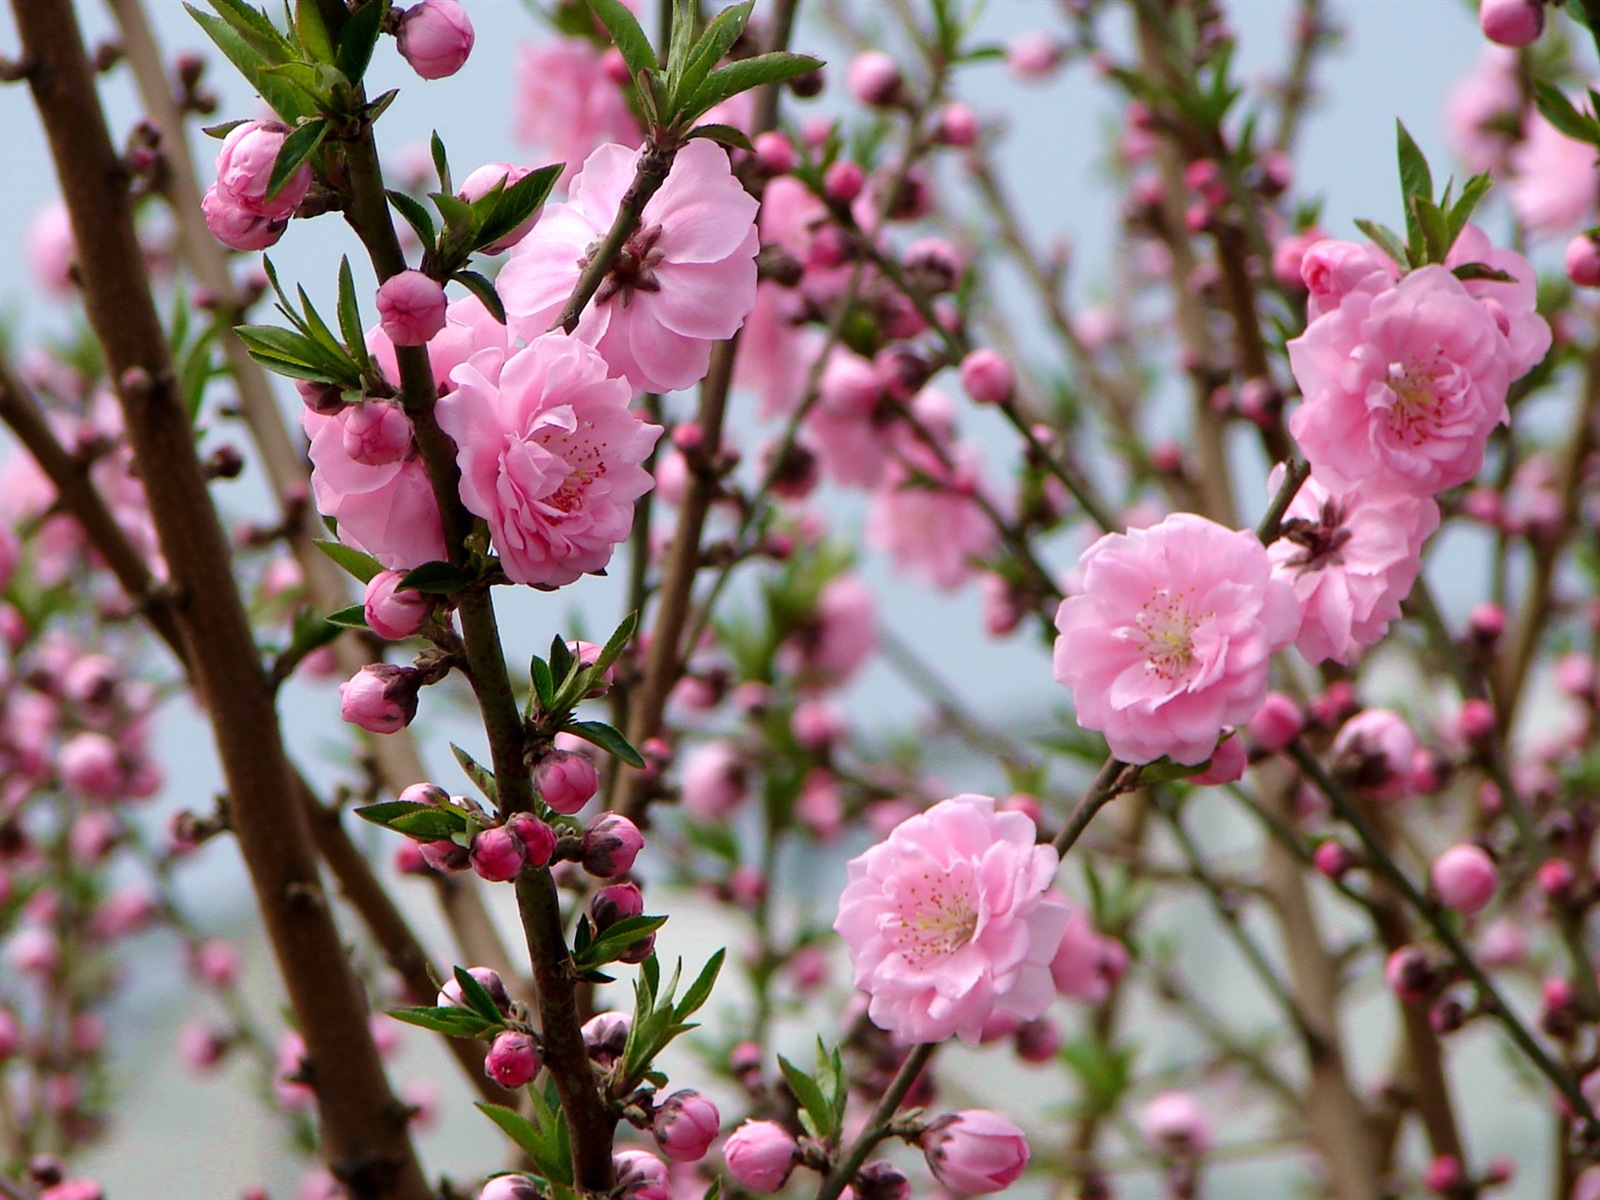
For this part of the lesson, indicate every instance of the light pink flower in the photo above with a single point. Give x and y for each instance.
(52, 250)
(1087, 963)
(951, 919)
(568, 104)
(1407, 384)
(925, 517)
(549, 456)
(714, 781)
(839, 636)
(1170, 640)
(1332, 270)
(468, 329)
(685, 279)
(1351, 558)
(1484, 110)
(1511, 304)
(1554, 182)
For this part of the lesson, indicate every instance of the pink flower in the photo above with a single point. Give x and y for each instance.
(950, 920)
(685, 279)
(567, 103)
(1554, 181)
(760, 1155)
(412, 308)
(975, 1152)
(1170, 639)
(1407, 384)
(840, 635)
(988, 377)
(1512, 304)
(52, 250)
(874, 78)
(1087, 963)
(244, 169)
(925, 517)
(386, 510)
(1175, 1123)
(1351, 558)
(239, 228)
(549, 456)
(468, 329)
(713, 781)
(1332, 270)
(1484, 110)
(436, 37)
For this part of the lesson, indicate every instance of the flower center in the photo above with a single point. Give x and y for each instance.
(1167, 628)
(1322, 541)
(1415, 412)
(634, 268)
(934, 918)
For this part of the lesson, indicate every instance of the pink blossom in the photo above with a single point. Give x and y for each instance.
(513, 1060)
(52, 250)
(951, 919)
(1512, 304)
(1374, 751)
(713, 781)
(436, 37)
(244, 170)
(987, 376)
(412, 308)
(840, 635)
(567, 104)
(1175, 1123)
(1554, 179)
(685, 1125)
(1332, 270)
(685, 279)
(1464, 878)
(1483, 112)
(380, 698)
(468, 329)
(386, 509)
(975, 1152)
(760, 1155)
(392, 613)
(1087, 963)
(874, 78)
(1170, 640)
(925, 517)
(1407, 384)
(549, 456)
(566, 780)
(1351, 558)
(1511, 22)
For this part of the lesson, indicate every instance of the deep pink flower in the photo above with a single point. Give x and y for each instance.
(513, 1060)
(686, 279)
(1511, 22)
(1351, 558)
(568, 104)
(381, 697)
(549, 456)
(951, 919)
(1170, 639)
(1554, 179)
(975, 1152)
(1407, 384)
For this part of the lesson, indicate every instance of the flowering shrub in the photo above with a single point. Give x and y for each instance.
(1309, 814)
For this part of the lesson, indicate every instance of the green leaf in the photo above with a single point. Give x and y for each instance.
(617, 642)
(480, 287)
(700, 990)
(1415, 181)
(1435, 228)
(626, 35)
(544, 1143)
(608, 739)
(746, 74)
(720, 34)
(478, 999)
(297, 147)
(455, 1022)
(425, 821)
(726, 135)
(482, 778)
(417, 216)
(363, 566)
(1386, 241)
(296, 348)
(456, 212)
(544, 687)
(517, 203)
(358, 39)
(435, 578)
(350, 317)
(441, 163)
(354, 617)
(561, 660)
(222, 128)
(318, 329)
(1472, 192)
(615, 942)
(284, 99)
(1470, 272)
(260, 34)
(377, 107)
(1559, 111)
(817, 1113)
(313, 34)
(680, 38)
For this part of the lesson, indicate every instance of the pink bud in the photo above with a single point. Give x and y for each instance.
(435, 38)
(1227, 764)
(685, 1125)
(1034, 54)
(641, 1176)
(760, 1155)
(775, 153)
(610, 844)
(482, 181)
(1408, 975)
(613, 903)
(1464, 878)
(605, 1035)
(1476, 720)
(1583, 260)
(90, 764)
(1038, 1040)
(10, 1034)
(424, 793)
(392, 613)
(381, 697)
(975, 1152)
(1444, 1175)
(445, 857)
(513, 1059)
(1276, 723)
(874, 78)
(1511, 22)
(842, 183)
(538, 839)
(566, 780)
(200, 1046)
(488, 979)
(244, 171)
(238, 228)
(411, 307)
(1174, 1123)
(1332, 858)
(215, 963)
(510, 1187)
(34, 951)
(497, 855)
(956, 125)
(1555, 877)
(988, 377)
(1488, 621)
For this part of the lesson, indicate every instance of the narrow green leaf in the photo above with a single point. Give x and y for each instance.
(721, 33)
(363, 566)
(358, 39)
(1472, 192)
(482, 778)
(626, 34)
(726, 135)
(680, 38)
(435, 578)
(1435, 229)
(350, 317)
(417, 216)
(353, 617)
(478, 999)
(561, 660)
(1386, 241)
(260, 34)
(441, 162)
(319, 331)
(483, 289)
(615, 942)
(456, 212)
(425, 821)
(222, 128)
(517, 203)
(281, 97)
(1561, 113)
(544, 687)
(377, 107)
(608, 739)
(809, 1095)
(746, 74)
(297, 147)
(1416, 181)
(1474, 271)
(311, 31)
(617, 642)
(289, 345)
(455, 1022)
(700, 990)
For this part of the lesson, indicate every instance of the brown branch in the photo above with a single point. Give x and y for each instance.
(363, 1127)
